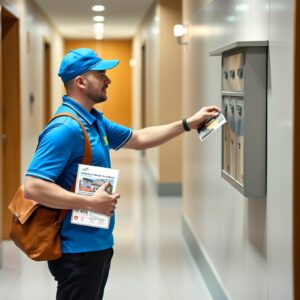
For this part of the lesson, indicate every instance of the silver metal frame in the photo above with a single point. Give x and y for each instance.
(253, 90)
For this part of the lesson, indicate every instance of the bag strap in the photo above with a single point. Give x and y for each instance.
(87, 156)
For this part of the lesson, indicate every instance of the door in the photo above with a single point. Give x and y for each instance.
(10, 115)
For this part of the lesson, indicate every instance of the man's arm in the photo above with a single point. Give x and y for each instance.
(52, 195)
(156, 135)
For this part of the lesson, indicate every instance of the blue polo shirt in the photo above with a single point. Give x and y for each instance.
(61, 149)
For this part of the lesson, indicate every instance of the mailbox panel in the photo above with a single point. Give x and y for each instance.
(244, 98)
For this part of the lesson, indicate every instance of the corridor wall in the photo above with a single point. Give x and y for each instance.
(243, 245)
(163, 90)
(35, 28)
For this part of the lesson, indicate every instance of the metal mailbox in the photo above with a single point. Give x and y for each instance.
(244, 98)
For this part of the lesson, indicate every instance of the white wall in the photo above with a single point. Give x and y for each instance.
(280, 101)
(248, 241)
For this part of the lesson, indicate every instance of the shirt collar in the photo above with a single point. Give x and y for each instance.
(90, 117)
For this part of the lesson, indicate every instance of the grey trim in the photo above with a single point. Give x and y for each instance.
(1, 255)
(238, 46)
(214, 285)
(169, 189)
(163, 189)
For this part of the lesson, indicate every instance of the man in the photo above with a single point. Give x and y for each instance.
(83, 269)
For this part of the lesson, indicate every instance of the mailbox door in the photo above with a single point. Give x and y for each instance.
(226, 136)
(233, 72)
(232, 137)
(240, 133)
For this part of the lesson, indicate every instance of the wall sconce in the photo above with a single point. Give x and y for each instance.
(180, 32)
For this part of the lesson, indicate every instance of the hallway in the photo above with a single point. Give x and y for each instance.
(151, 260)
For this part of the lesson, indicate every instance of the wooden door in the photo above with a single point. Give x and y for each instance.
(10, 123)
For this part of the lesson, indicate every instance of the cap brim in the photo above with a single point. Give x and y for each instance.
(104, 65)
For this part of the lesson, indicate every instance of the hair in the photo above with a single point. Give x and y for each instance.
(68, 84)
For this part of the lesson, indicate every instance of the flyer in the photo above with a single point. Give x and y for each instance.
(211, 126)
(89, 179)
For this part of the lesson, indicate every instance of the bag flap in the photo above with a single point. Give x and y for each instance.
(21, 207)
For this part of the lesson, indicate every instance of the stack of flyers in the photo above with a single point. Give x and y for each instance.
(89, 179)
(211, 126)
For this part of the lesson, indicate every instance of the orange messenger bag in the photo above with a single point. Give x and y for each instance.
(35, 228)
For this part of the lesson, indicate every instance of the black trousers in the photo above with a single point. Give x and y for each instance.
(81, 276)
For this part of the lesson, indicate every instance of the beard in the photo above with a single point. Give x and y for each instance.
(99, 99)
(96, 97)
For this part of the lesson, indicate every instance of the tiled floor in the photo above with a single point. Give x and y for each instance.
(151, 260)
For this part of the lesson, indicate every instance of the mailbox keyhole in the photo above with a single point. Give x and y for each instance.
(239, 72)
(232, 109)
(239, 110)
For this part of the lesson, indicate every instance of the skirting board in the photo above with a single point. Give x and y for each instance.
(1, 255)
(209, 275)
(169, 189)
(163, 189)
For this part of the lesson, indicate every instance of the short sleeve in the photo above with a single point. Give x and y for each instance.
(58, 146)
(117, 135)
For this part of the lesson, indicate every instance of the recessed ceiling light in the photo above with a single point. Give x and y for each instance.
(98, 29)
(99, 36)
(98, 25)
(98, 19)
(98, 8)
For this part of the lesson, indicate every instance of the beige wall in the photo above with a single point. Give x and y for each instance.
(118, 106)
(147, 35)
(163, 84)
(170, 88)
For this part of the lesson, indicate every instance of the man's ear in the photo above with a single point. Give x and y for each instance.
(80, 82)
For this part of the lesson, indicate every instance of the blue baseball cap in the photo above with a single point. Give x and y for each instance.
(81, 60)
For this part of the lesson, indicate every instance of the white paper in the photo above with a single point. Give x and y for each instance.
(89, 179)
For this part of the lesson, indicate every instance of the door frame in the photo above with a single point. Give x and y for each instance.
(143, 103)
(296, 156)
(47, 80)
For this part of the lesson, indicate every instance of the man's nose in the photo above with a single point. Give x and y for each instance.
(107, 80)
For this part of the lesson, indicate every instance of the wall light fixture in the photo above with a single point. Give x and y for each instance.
(180, 32)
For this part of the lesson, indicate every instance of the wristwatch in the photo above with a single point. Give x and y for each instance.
(185, 125)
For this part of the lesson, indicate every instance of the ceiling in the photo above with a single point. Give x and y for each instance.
(74, 18)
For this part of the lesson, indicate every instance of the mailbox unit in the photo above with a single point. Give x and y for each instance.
(244, 104)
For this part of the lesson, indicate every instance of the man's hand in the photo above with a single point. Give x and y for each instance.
(204, 114)
(103, 203)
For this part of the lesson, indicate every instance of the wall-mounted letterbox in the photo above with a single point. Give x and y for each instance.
(244, 104)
